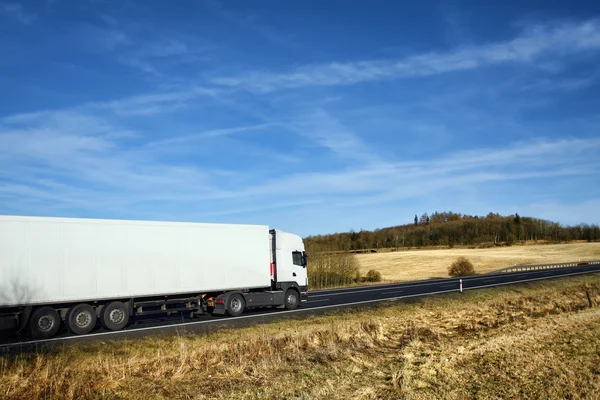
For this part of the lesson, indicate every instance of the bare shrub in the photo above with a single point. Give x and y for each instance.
(461, 267)
(329, 270)
(373, 276)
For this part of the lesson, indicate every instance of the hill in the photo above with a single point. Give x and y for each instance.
(448, 229)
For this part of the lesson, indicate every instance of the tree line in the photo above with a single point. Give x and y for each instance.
(450, 229)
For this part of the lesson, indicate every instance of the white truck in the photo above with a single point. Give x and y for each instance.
(80, 273)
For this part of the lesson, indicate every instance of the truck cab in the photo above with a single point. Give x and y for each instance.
(288, 262)
(288, 276)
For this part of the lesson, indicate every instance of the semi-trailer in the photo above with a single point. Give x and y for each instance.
(83, 273)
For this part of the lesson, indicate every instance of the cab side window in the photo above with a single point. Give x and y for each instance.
(297, 258)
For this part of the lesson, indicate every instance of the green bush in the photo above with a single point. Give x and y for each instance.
(330, 270)
(461, 267)
(373, 276)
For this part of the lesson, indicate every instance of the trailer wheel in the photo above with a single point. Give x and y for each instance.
(81, 319)
(292, 298)
(235, 305)
(114, 316)
(44, 323)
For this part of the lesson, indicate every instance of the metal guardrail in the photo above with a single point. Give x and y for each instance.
(536, 267)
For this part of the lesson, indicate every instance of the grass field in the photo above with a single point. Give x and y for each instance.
(538, 340)
(425, 264)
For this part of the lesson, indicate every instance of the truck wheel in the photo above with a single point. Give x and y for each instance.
(44, 323)
(81, 319)
(235, 305)
(114, 316)
(291, 299)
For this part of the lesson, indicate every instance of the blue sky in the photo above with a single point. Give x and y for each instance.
(309, 116)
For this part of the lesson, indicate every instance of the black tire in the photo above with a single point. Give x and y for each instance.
(44, 323)
(235, 305)
(292, 299)
(81, 319)
(114, 316)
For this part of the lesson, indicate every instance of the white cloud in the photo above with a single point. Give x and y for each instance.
(249, 22)
(18, 12)
(562, 85)
(164, 48)
(87, 115)
(384, 182)
(87, 157)
(189, 139)
(110, 39)
(155, 103)
(82, 159)
(576, 213)
(157, 52)
(537, 152)
(326, 131)
(531, 45)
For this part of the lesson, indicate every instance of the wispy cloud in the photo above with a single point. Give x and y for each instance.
(164, 48)
(328, 132)
(18, 12)
(88, 154)
(188, 139)
(75, 160)
(197, 145)
(542, 153)
(43, 159)
(585, 211)
(562, 85)
(531, 45)
(248, 22)
(414, 178)
(156, 103)
(156, 51)
(143, 104)
(110, 39)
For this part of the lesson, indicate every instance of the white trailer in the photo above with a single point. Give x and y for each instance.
(78, 272)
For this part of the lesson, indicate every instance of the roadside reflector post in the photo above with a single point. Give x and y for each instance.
(461, 285)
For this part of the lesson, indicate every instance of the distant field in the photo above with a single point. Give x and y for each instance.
(538, 340)
(425, 264)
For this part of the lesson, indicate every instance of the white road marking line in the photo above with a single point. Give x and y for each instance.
(372, 290)
(355, 290)
(350, 289)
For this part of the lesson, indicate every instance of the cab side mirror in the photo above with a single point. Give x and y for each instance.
(304, 259)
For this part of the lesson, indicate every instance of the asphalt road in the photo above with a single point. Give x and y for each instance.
(319, 302)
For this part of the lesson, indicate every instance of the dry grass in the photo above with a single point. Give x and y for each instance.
(425, 264)
(537, 341)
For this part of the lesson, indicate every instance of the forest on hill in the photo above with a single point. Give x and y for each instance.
(450, 229)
